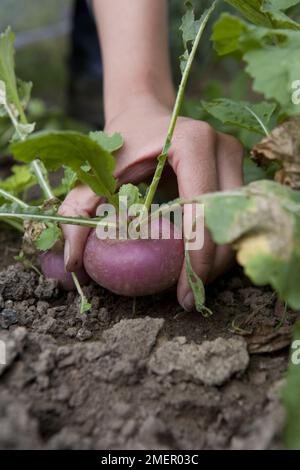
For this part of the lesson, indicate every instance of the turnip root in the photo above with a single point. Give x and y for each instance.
(52, 265)
(135, 267)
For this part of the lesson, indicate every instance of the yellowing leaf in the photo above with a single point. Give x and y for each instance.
(262, 222)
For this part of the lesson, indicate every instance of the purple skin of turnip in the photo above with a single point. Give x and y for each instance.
(135, 267)
(52, 265)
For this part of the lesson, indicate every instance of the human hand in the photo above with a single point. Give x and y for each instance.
(202, 160)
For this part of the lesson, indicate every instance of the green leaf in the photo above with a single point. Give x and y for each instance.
(227, 32)
(253, 117)
(9, 109)
(278, 18)
(274, 69)
(110, 143)
(251, 9)
(48, 237)
(67, 183)
(132, 193)
(75, 150)
(291, 397)
(272, 56)
(24, 92)
(7, 67)
(17, 92)
(262, 221)
(197, 287)
(190, 27)
(284, 4)
(266, 13)
(21, 180)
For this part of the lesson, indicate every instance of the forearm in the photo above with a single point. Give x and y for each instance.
(134, 43)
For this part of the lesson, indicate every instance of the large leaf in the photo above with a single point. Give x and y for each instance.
(291, 396)
(266, 12)
(93, 165)
(274, 69)
(251, 10)
(262, 221)
(253, 117)
(272, 56)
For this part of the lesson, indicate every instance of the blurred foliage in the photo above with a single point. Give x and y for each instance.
(36, 14)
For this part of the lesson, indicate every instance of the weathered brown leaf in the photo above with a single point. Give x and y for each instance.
(268, 339)
(283, 145)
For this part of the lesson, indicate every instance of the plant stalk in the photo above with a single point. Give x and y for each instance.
(39, 171)
(12, 198)
(92, 223)
(176, 111)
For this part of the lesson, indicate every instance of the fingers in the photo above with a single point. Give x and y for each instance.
(230, 176)
(193, 158)
(81, 201)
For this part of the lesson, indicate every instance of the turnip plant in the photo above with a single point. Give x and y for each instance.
(261, 220)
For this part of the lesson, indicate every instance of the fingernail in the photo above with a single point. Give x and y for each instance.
(189, 302)
(66, 254)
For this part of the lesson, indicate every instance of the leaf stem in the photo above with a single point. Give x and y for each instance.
(84, 304)
(92, 223)
(176, 110)
(40, 173)
(260, 122)
(12, 198)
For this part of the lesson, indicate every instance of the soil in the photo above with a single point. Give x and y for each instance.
(139, 374)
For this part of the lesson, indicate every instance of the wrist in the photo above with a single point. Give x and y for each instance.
(147, 93)
(137, 107)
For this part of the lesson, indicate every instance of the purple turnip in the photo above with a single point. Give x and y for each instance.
(52, 265)
(135, 267)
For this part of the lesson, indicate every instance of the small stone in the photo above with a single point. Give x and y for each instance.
(42, 307)
(63, 393)
(8, 317)
(84, 334)
(71, 332)
(47, 326)
(103, 316)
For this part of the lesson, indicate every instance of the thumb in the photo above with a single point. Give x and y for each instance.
(82, 202)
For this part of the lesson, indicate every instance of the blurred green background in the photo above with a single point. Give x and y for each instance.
(43, 47)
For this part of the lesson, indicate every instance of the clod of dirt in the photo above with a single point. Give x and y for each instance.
(8, 317)
(134, 338)
(14, 344)
(211, 363)
(18, 430)
(16, 283)
(266, 428)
